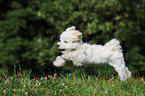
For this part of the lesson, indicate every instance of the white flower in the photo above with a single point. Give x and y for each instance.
(55, 75)
(106, 92)
(60, 90)
(69, 74)
(26, 93)
(45, 78)
(5, 82)
(4, 91)
(142, 79)
(14, 90)
(36, 85)
(49, 76)
(63, 84)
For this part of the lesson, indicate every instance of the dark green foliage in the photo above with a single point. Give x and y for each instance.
(29, 30)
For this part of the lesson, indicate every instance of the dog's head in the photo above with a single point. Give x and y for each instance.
(71, 35)
(70, 39)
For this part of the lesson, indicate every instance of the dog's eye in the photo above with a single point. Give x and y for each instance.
(73, 41)
(73, 50)
(65, 41)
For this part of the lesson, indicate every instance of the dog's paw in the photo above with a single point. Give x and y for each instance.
(56, 64)
(59, 62)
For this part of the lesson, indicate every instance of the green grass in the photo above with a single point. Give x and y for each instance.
(69, 85)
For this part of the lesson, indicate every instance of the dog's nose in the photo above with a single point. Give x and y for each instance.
(57, 45)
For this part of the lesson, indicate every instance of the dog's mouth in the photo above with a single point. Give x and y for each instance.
(62, 49)
(66, 50)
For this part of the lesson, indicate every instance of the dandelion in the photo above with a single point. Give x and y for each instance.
(113, 85)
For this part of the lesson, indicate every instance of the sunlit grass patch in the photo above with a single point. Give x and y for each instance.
(70, 84)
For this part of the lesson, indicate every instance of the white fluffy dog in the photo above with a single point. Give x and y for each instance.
(82, 53)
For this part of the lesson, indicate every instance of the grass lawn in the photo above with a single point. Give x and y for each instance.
(69, 85)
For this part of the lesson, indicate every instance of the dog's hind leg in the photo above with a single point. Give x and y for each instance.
(121, 69)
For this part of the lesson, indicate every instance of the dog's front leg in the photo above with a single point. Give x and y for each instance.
(59, 61)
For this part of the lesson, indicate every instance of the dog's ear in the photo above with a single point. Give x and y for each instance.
(71, 28)
(77, 35)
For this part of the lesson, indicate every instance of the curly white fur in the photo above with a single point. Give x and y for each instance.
(82, 53)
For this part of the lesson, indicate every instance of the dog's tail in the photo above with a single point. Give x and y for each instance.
(114, 45)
